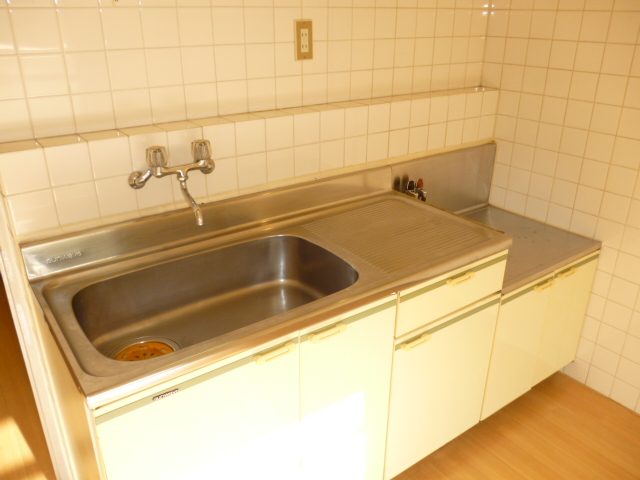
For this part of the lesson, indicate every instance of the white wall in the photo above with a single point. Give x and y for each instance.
(73, 66)
(568, 129)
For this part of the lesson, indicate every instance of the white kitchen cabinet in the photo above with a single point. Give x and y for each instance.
(564, 318)
(236, 422)
(345, 372)
(538, 332)
(321, 404)
(515, 345)
(438, 381)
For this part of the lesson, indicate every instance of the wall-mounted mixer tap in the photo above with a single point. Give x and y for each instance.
(157, 159)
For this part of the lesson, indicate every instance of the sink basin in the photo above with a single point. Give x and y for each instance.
(196, 298)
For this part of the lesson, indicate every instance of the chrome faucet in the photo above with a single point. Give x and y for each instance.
(157, 159)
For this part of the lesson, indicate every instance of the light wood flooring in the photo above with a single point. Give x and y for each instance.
(560, 430)
(23, 451)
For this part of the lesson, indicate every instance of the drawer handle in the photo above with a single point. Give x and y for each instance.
(545, 285)
(465, 277)
(568, 273)
(424, 338)
(264, 358)
(331, 332)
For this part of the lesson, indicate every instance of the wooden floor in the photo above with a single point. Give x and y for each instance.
(560, 430)
(23, 451)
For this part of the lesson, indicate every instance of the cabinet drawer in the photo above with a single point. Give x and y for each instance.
(446, 295)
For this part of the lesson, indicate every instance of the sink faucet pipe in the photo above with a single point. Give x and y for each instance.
(187, 196)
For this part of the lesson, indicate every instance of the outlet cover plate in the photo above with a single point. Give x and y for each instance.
(304, 39)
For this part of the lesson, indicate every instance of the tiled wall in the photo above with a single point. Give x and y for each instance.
(74, 66)
(569, 154)
(59, 182)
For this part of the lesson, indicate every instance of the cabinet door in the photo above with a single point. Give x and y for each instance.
(565, 316)
(515, 345)
(437, 385)
(238, 422)
(345, 375)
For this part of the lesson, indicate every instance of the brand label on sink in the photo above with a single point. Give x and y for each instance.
(166, 394)
(66, 256)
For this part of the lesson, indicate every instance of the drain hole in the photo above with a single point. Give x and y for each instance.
(144, 349)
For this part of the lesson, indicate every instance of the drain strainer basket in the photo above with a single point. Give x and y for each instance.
(144, 349)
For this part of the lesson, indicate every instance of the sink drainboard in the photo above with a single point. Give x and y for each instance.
(144, 349)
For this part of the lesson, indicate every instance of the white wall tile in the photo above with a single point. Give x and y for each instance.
(379, 118)
(127, 69)
(132, 108)
(398, 142)
(222, 138)
(15, 180)
(10, 78)
(258, 25)
(168, 104)
(232, 97)
(81, 29)
(44, 75)
(35, 30)
(629, 372)
(110, 157)
(307, 159)
(201, 100)
(34, 211)
(332, 124)
(280, 164)
(355, 150)
(279, 132)
(332, 155)
(76, 203)
(160, 27)
(195, 26)
(115, 196)
(88, 72)
(250, 137)
(224, 178)
(377, 146)
(122, 28)
(69, 164)
(6, 34)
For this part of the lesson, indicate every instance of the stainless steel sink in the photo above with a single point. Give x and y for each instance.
(262, 268)
(199, 297)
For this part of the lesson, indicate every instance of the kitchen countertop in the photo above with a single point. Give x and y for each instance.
(538, 249)
(391, 240)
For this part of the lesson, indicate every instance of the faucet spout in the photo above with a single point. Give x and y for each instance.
(187, 196)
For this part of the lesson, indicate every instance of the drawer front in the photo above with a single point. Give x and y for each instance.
(443, 297)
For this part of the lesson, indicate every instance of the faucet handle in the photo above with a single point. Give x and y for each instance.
(157, 156)
(201, 150)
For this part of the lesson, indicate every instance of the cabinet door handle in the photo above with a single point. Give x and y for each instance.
(286, 349)
(545, 285)
(424, 338)
(465, 277)
(568, 273)
(331, 332)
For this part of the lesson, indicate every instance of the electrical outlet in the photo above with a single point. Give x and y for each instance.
(304, 39)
